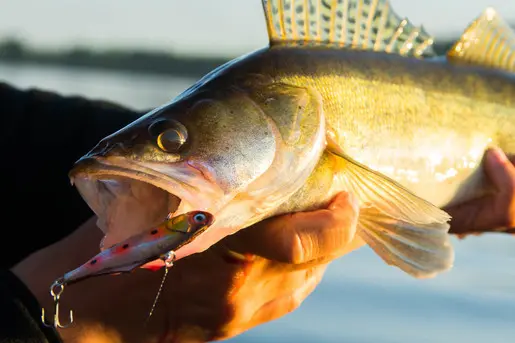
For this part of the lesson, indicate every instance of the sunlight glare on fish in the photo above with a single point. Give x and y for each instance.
(440, 177)
(411, 175)
(434, 159)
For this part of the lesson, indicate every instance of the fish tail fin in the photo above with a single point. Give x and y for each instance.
(488, 41)
(352, 24)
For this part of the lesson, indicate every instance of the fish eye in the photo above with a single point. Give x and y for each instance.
(170, 140)
(170, 135)
(199, 217)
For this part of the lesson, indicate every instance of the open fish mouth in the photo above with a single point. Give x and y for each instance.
(129, 198)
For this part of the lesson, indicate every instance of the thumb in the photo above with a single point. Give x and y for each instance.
(500, 170)
(303, 236)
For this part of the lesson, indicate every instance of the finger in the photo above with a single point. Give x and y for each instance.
(303, 236)
(500, 170)
(489, 212)
(283, 305)
(473, 216)
(486, 214)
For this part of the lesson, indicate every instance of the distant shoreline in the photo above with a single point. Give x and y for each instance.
(152, 62)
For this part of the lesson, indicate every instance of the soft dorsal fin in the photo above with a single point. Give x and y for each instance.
(352, 24)
(488, 41)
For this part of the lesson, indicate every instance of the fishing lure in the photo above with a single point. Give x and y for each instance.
(134, 252)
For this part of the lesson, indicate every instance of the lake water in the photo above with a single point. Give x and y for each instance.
(361, 299)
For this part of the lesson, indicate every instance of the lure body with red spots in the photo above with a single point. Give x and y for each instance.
(140, 249)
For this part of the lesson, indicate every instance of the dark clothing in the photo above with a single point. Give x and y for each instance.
(20, 314)
(43, 134)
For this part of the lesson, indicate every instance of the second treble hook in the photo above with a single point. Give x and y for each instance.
(56, 290)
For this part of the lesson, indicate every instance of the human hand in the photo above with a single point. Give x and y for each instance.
(270, 269)
(493, 213)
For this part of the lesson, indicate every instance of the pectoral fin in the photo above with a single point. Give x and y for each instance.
(421, 250)
(403, 229)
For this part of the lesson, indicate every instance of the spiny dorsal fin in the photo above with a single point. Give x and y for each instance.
(353, 24)
(488, 41)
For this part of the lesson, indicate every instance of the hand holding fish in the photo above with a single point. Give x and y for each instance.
(271, 268)
(255, 276)
(341, 104)
(492, 213)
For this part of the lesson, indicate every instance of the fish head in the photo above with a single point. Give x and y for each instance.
(198, 153)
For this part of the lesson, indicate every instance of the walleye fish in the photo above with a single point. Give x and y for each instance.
(347, 96)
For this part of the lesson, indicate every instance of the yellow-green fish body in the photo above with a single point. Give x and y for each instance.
(347, 97)
(424, 123)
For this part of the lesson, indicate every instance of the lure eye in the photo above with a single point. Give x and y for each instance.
(199, 218)
(170, 135)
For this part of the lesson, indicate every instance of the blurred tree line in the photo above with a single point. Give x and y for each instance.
(14, 50)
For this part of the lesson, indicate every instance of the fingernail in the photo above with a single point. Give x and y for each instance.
(498, 155)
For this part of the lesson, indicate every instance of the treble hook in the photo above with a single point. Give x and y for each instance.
(56, 290)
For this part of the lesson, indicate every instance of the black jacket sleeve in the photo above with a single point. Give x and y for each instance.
(20, 314)
(42, 135)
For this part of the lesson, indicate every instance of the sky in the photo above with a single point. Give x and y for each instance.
(213, 27)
